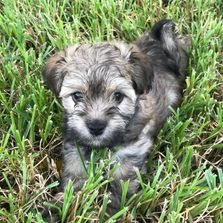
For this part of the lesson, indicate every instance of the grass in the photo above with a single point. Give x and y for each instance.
(185, 177)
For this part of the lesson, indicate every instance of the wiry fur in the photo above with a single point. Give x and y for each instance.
(149, 72)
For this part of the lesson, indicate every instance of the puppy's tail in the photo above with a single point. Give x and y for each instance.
(163, 32)
(175, 48)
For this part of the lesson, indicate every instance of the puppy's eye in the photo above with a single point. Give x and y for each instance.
(118, 96)
(77, 96)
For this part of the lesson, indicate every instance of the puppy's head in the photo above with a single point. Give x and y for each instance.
(99, 85)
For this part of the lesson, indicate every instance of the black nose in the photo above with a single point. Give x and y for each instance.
(96, 127)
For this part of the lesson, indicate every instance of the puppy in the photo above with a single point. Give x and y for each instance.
(117, 95)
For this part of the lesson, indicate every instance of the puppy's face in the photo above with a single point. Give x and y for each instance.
(99, 85)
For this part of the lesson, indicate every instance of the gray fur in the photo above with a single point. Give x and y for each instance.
(149, 72)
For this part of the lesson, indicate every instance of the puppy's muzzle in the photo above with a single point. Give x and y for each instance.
(96, 127)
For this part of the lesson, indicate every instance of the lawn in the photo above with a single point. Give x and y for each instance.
(185, 168)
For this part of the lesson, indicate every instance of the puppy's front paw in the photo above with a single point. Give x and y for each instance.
(52, 214)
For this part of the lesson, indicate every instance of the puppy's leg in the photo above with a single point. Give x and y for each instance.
(144, 120)
(73, 170)
(73, 166)
(131, 157)
(51, 214)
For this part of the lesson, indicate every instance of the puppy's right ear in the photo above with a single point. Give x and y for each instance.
(53, 73)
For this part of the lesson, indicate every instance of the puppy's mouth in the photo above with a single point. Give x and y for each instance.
(107, 139)
(97, 142)
(104, 140)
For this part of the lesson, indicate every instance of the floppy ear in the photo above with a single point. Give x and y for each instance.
(142, 72)
(138, 66)
(53, 73)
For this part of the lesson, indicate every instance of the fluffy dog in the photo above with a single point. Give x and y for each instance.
(117, 95)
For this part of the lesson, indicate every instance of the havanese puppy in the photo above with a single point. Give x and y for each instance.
(117, 95)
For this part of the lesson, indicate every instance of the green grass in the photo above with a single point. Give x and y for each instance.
(185, 177)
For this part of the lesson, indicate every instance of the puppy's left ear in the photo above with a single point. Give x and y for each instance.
(142, 72)
(53, 72)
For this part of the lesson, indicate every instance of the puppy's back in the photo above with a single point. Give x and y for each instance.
(169, 58)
